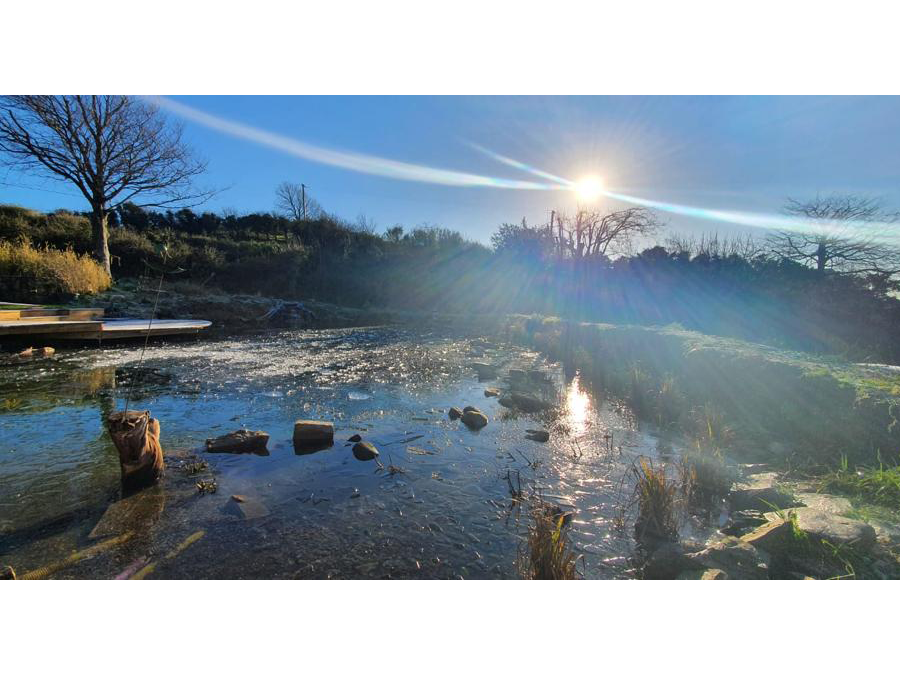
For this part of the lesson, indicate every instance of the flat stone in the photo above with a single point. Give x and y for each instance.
(313, 434)
(772, 536)
(240, 441)
(247, 509)
(836, 530)
(491, 391)
(524, 402)
(455, 413)
(135, 513)
(474, 419)
(365, 451)
(668, 561)
(832, 504)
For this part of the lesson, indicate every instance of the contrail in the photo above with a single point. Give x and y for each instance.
(874, 231)
(378, 166)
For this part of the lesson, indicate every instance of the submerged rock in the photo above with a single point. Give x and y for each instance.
(240, 441)
(355, 438)
(455, 413)
(312, 434)
(539, 435)
(668, 561)
(524, 402)
(491, 391)
(474, 418)
(365, 451)
(486, 371)
(246, 508)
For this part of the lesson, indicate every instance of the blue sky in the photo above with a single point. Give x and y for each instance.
(735, 153)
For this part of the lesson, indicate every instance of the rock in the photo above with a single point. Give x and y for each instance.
(240, 441)
(312, 435)
(247, 509)
(708, 574)
(836, 530)
(527, 402)
(742, 522)
(491, 391)
(760, 499)
(137, 512)
(773, 537)
(469, 408)
(539, 435)
(455, 413)
(364, 451)
(7, 572)
(832, 504)
(26, 353)
(737, 558)
(538, 375)
(668, 561)
(355, 438)
(47, 351)
(474, 419)
(239, 498)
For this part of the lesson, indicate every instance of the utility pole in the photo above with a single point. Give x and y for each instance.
(303, 197)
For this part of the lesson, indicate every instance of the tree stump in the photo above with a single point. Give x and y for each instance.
(136, 437)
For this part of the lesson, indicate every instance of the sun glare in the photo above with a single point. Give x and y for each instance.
(588, 189)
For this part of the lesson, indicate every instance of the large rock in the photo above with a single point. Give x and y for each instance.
(761, 492)
(474, 419)
(836, 530)
(239, 441)
(312, 435)
(455, 413)
(365, 451)
(738, 559)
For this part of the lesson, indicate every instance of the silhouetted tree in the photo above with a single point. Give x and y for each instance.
(114, 149)
(843, 236)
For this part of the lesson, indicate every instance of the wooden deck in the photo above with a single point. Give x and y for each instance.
(85, 324)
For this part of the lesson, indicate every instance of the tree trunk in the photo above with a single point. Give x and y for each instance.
(100, 237)
(820, 258)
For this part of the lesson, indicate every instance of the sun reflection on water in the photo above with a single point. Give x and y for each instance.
(578, 407)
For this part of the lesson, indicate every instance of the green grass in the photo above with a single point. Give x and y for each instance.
(878, 486)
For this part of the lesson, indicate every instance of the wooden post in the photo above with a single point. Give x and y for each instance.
(136, 437)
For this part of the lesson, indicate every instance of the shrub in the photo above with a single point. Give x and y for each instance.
(28, 273)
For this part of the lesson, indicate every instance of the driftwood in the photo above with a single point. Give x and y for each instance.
(136, 437)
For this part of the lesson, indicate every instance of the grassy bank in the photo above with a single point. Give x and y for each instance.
(27, 272)
(761, 403)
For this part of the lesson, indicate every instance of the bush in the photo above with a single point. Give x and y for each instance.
(28, 273)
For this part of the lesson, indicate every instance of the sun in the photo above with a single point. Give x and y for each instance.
(588, 189)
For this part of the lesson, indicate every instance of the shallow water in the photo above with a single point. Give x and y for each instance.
(447, 514)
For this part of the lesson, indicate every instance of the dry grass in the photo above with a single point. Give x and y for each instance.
(655, 495)
(50, 272)
(548, 554)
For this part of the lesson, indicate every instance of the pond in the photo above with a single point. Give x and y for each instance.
(438, 504)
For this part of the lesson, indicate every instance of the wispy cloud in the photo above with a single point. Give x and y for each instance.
(352, 161)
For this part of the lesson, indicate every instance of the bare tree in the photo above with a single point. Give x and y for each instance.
(290, 201)
(114, 149)
(594, 235)
(842, 234)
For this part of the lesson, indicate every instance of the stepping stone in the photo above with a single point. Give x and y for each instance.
(240, 441)
(836, 530)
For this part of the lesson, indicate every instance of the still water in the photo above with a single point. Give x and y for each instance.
(444, 511)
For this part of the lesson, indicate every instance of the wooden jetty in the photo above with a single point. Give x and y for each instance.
(85, 323)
